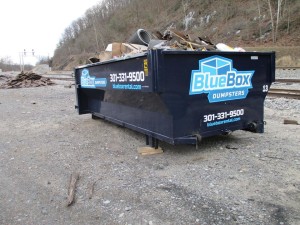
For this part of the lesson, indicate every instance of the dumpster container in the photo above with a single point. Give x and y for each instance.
(178, 96)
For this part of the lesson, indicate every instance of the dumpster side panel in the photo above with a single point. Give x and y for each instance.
(215, 109)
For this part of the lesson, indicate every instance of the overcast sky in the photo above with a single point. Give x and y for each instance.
(36, 24)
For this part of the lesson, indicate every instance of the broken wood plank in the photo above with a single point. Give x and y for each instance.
(294, 122)
(72, 188)
(149, 150)
(91, 189)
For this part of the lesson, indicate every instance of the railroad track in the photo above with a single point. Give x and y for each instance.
(286, 93)
(288, 68)
(65, 77)
(287, 80)
(62, 78)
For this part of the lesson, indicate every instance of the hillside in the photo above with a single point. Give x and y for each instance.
(246, 23)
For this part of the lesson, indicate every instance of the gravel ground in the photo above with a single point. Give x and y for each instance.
(284, 73)
(243, 178)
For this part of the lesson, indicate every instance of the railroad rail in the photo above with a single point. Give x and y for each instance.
(65, 77)
(286, 93)
(62, 78)
(287, 80)
(288, 67)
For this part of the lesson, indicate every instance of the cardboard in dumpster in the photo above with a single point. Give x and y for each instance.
(115, 50)
(105, 55)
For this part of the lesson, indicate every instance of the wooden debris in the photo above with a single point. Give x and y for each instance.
(3, 77)
(72, 188)
(294, 122)
(149, 150)
(68, 86)
(180, 40)
(158, 35)
(28, 79)
(91, 189)
(273, 157)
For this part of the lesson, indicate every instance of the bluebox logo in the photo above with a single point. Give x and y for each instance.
(88, 81)
(222, 82)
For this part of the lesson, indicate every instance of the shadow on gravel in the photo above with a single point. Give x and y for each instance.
(193, 205)
(278, 213)
(211, 143)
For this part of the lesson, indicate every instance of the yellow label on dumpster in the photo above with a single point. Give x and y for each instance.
(146, 67)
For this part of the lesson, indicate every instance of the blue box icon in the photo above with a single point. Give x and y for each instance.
(216, 66)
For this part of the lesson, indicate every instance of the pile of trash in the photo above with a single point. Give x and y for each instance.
(141, 41)
(27, 79)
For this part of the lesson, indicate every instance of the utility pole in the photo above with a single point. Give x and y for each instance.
(22, 54)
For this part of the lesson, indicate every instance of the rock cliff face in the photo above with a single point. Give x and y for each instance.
(236, 23)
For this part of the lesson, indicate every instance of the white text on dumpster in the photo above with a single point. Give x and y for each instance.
(138, 76)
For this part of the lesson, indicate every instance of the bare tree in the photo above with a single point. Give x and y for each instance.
(279, 2)
(288, 19)
(274, 12)
(259, 19)
(272, 20)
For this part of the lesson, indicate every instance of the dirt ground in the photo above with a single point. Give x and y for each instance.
(243, 178)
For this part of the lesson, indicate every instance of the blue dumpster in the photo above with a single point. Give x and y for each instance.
(178, 96)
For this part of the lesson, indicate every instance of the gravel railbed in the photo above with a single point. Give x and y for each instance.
(242, 178)
(288, 73)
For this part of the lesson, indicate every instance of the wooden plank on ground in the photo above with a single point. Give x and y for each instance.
(149, 150)
(72, 188)
(295, 122)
